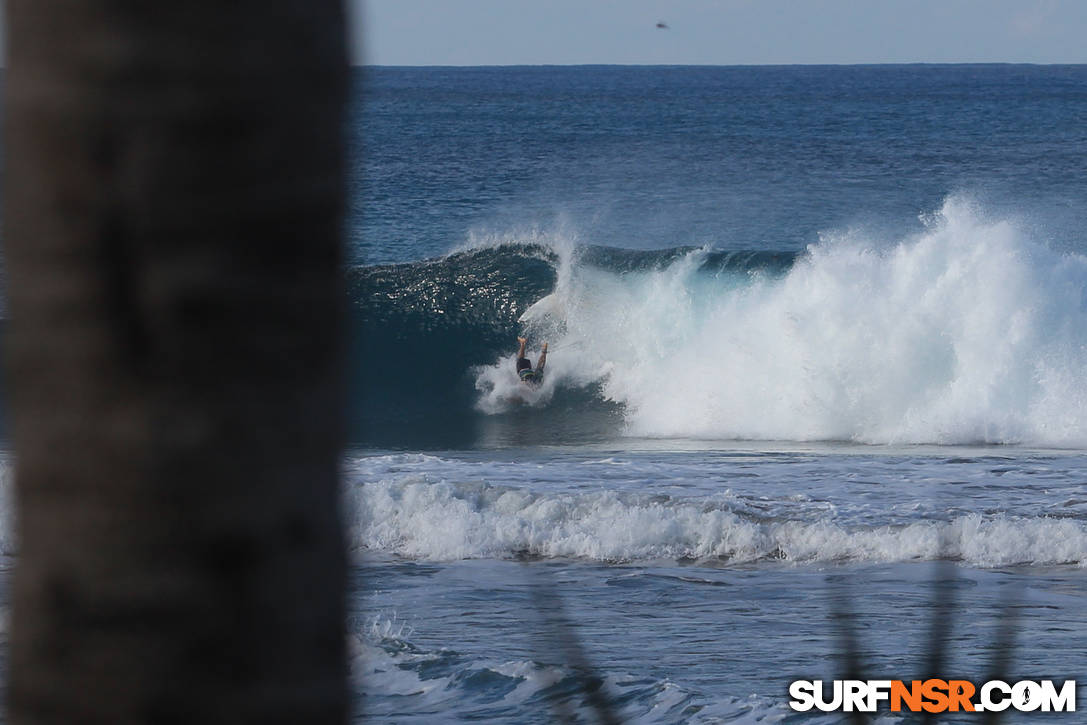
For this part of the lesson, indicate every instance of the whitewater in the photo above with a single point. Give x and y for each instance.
(812, 507)
(727, 445)
(817, 337)
(815, 398)
(966, 332)
(702, 577)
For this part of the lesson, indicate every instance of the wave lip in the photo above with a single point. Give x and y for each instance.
(443, 521)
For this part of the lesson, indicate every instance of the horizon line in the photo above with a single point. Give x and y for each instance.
(715, 65)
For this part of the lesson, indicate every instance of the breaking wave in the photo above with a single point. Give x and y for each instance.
(415, 517)
(967, 332)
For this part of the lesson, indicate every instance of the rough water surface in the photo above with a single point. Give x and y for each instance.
(818, 341)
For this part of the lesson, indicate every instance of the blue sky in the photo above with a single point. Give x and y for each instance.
(717, 32)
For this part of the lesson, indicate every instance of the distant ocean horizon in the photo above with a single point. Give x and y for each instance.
(906, 64)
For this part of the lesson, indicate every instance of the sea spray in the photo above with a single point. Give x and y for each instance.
(966, 332)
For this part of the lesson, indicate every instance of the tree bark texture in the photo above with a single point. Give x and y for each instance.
(172, 231)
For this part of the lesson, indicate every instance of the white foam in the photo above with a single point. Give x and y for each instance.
(413, 517)
(965, 333)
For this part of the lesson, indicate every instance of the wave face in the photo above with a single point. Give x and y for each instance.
(967, 332)
(430, 330)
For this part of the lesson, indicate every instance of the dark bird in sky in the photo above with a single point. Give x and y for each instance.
(663, 25)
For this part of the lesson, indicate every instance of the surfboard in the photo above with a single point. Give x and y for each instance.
(549, 306)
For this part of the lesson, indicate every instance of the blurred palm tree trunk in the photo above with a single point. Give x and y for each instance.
(172, 229)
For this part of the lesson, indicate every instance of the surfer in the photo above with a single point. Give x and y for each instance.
(524, 367)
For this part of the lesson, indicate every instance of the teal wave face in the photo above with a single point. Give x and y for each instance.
(421, 328)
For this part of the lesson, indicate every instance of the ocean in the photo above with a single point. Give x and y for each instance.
(813, 409)
(814, 403)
